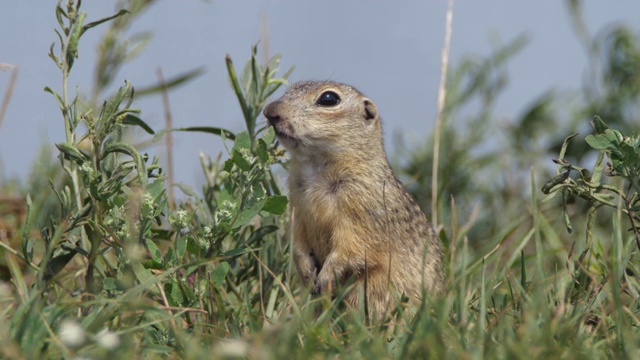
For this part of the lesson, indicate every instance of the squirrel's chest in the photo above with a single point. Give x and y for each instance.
(317, 195)
(310, 184)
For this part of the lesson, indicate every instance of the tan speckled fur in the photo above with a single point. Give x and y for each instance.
(353, 217)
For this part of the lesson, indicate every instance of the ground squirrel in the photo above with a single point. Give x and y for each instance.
(353, 217)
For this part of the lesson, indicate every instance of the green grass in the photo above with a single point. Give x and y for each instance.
(106, 266)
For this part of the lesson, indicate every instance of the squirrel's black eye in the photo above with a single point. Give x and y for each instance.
(329, 98)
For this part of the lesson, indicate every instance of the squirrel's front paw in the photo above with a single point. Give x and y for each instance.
(316, 289)
(324, 282)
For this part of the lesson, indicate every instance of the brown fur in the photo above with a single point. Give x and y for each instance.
(353, 217)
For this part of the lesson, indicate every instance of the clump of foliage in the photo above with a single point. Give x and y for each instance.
(116, 255)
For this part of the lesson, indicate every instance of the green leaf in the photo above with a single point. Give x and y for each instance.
(188, 293)
(146, 279)
(229, 204)
(56, 264)
(226, 195)
(174, 294)
(181, 246)
(235, 252)
(131, 151)
(72, 46)
(156, 255)
(27, 224)
(258, 234)
(233, 78)
(57, 96)
(248, 214)
(53, 56)
(70, 152)
(255, 72)
(228, 165)
(262, 152)
(169, 258)
(630, 154)
(171, 82)
(97, 189)
(598, 169)
(565, 212)
(60, 13)
(219, 273)
(156, 189)
(110, 284)
(103, 20)
(599, 125)
(271, 304)
(240, 160)
(120, 148)
(269, 135)
(193, 246)
(565, 144)
(598, 142)
(136, 121)
(203, 129)
(558, 179)
(274, 62)
(276, 204)
(186, 189)
(242, 141)
(245, 78)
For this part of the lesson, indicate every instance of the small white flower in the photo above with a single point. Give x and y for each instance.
(207, 232)
(71, 333)
(247, 155)
(182, 218)
(123, 233)
(223, 214)
(107, 339)
(148, 205)
(233, 348)
(204, 241)
(88, 171)
(228, 205)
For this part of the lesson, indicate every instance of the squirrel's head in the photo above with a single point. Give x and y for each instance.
(323, 117)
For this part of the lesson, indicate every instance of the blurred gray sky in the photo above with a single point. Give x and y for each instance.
(390, 50)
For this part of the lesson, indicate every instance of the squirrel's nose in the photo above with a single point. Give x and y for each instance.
(271, 113)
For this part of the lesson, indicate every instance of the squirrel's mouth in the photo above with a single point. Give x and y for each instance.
(285, 138)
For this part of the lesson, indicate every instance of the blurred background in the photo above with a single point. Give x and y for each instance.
(390, 52)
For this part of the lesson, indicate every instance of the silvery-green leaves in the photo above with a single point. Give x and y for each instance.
(254, 87)
(623, 152)
(249, 171)
(116, 194)
(72, 29)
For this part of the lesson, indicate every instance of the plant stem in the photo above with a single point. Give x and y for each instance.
(442, 92)
(10, 87)
(19, 256)
(168, 138)
(72, 168)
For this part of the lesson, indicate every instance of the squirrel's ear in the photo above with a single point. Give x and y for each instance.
(370, 110)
